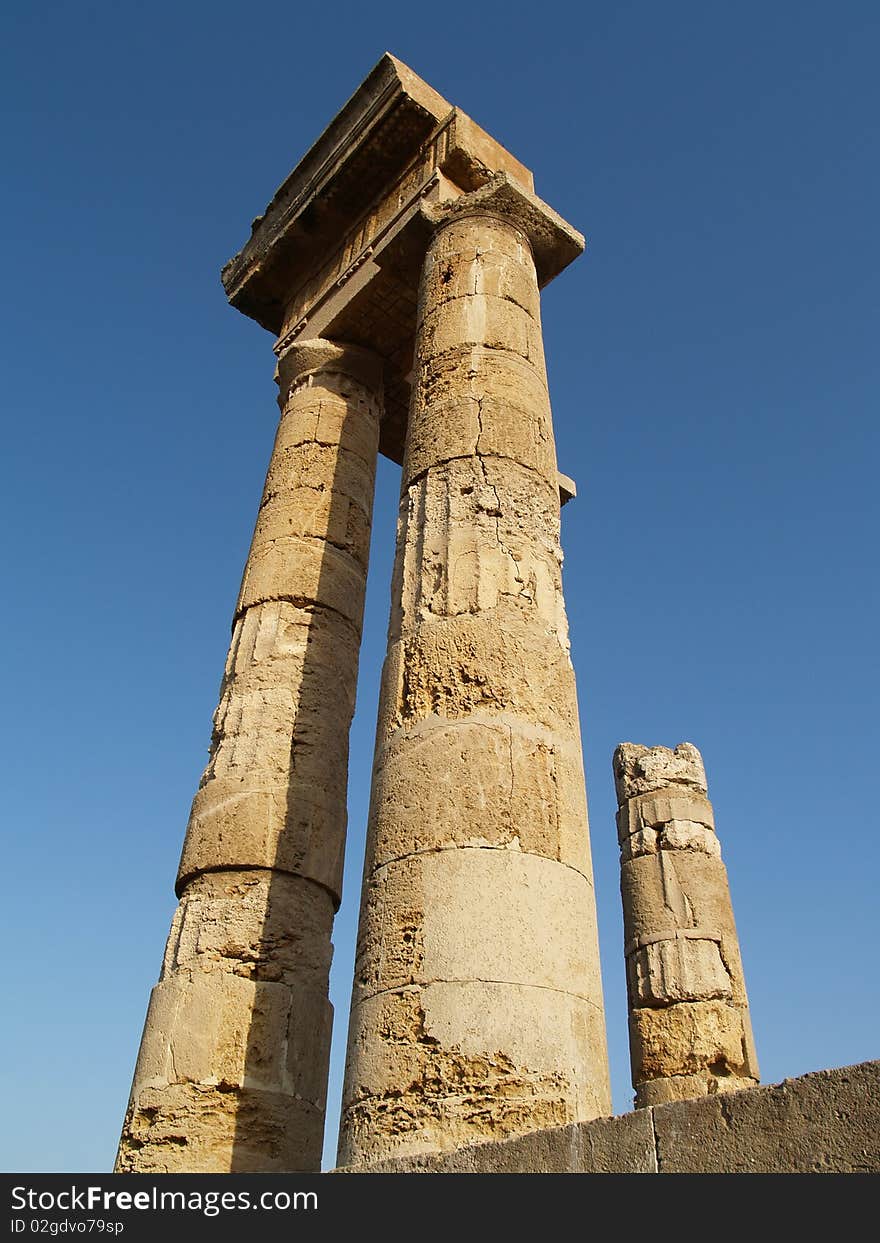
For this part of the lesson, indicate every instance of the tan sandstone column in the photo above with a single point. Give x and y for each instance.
(477, 1004)
(690, 1031)
(232, 1071)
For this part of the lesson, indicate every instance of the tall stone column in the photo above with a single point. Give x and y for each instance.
(690, 1031)
(477, 1005)
(233, 1065)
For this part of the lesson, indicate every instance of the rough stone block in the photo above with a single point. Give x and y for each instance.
(469, 564)
(467, 237)
(223, 1030)
(438, 786)
(305, 572)
(455, 1063)
(330, 370)
(318, 515)
(642, 843)
(252, 733)
(233, 825)
(260, 925)
(674, 1088)
(623, 1145)
(199, 1029)
(315, 428)
(652, 811)
(478, 914)
(470, 151)
(186, 1126)
(688, 835)
(312, 652)
(483, 320)
(640, 770)
(686, 1038)
(478, 536)
(675, 889)
(821, 1123)
(462, 269)
(354, 431)
(825, 1122)
(457, 666)
(335, 474)
(677, 970)
(552, 242)
(511, 420)
(268, 736)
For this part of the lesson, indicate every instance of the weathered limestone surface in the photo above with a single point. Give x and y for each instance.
(477, 1004)
(232, 1071)
(690, 1031)
(822, 1123)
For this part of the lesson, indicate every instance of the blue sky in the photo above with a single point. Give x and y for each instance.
(714, 373)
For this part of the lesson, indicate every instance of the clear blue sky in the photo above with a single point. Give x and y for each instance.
(715, 376)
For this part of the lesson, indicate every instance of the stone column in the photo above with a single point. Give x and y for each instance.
(233, 1065)
(477, 1004)
(689, 1025)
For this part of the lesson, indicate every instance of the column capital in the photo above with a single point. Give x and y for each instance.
(554, 242)
(318, 355)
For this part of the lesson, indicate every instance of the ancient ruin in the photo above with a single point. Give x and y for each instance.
(398, 268)
(690, 1032)
(232, 1071)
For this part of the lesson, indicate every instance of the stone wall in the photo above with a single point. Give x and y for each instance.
(822, 1123)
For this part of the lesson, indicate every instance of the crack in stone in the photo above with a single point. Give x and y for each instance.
(533, 472)
(655, 1141)
(436, 850)
(419, 986)
(306, 603)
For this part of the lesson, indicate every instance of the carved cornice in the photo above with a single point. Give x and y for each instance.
(314, 356)
(554, 243)
(367, 166)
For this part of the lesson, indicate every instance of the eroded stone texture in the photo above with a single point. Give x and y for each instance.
(233, 1064)
(690, 1031)
(822, 1123)
(477, 1004)
(640, 770)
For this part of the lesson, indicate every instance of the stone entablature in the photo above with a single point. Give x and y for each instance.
(338, 251)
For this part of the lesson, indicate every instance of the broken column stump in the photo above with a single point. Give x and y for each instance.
(689, 1026)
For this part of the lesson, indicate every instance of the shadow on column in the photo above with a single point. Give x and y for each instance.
(279, 1122)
